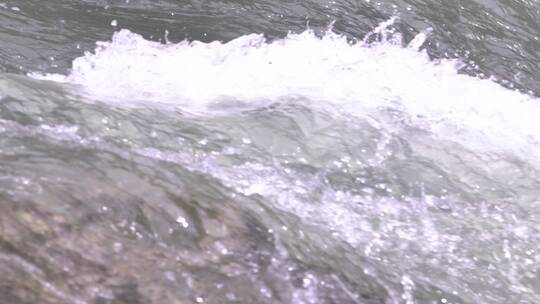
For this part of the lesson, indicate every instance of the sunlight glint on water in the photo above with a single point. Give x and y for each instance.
(307, 169)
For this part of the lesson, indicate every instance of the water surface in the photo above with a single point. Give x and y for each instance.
(269, 152)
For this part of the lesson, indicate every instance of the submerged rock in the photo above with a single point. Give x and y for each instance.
(130, 251)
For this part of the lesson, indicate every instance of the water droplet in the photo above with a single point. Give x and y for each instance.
(118, 247)
(182, 221)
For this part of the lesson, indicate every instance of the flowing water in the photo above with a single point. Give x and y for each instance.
(161, 151)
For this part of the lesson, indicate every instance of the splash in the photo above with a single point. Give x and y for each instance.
(130, 68)
(328, 71)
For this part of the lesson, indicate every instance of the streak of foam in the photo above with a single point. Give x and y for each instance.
(329, 71)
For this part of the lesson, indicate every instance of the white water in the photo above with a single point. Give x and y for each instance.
(329, 71)
(354, 82)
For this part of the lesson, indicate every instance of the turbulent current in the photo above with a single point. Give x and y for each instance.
(270, 151)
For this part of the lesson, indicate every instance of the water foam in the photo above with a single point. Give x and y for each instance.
(328, 70)
(359, 79)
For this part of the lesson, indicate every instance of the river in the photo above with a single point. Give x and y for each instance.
(270, 151)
